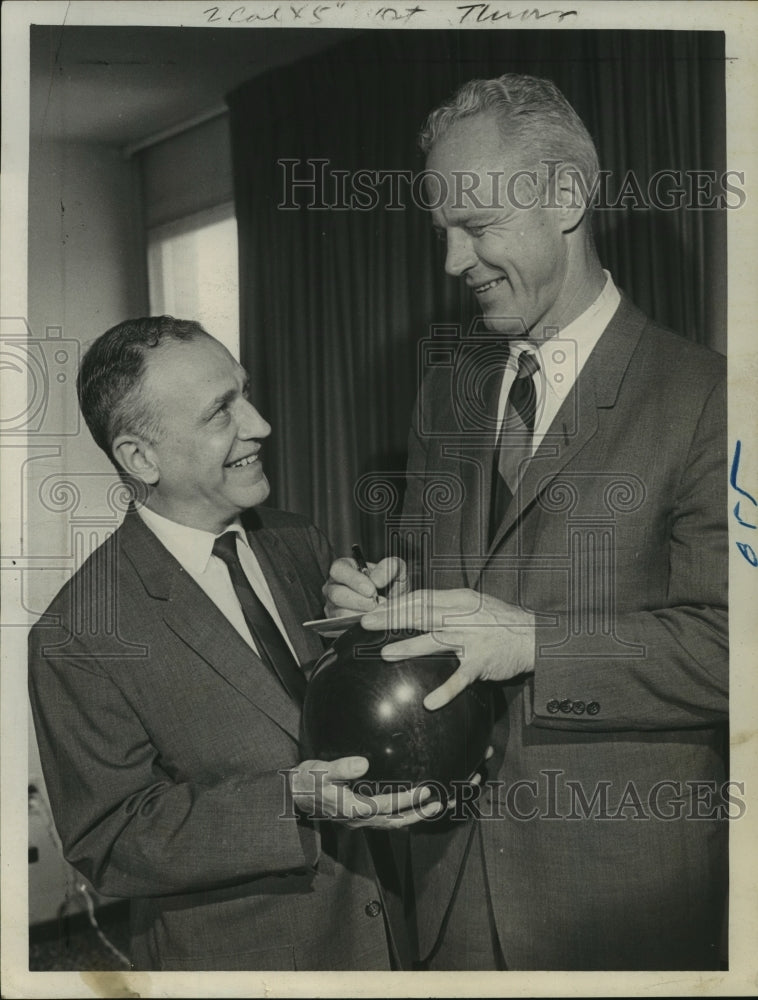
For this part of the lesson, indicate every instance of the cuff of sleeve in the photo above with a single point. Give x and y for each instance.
(552, 696)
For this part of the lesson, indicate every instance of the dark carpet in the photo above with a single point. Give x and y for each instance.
(72, 943)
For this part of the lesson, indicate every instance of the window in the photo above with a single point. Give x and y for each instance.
(193, 272)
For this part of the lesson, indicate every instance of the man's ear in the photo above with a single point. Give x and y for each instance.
(571, 196)
(137, 457)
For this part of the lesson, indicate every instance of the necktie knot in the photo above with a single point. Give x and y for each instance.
(523, 395)
(528, 364)
(225, 547)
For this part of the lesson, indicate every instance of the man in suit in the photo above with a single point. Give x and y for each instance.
(166, 682)
(583, 572)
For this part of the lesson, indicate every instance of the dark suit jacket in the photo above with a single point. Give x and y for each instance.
(162, 736)
(617, 542)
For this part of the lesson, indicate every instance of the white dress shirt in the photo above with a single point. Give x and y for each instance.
(193, 550)
(561, 358)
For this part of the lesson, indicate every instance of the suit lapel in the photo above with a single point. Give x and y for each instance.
(196, 620)
(476, 474)
(556, 450)
(577, 420)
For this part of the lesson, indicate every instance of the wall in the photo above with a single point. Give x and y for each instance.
(86, 272)
(187, 173)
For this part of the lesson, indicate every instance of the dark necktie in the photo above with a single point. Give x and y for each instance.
(272, 648)
(514, 443)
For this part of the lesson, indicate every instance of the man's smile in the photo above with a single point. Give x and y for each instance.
(240, 463)
(480, 289)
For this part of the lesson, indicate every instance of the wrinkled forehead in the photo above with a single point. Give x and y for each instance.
(199, 364)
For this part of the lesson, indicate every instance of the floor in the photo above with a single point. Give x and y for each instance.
(73, 943)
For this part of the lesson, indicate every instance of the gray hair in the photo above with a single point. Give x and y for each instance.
(531, 112)
(110, 378)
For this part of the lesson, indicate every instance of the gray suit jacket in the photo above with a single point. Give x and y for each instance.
(617, 542)
(162, 736)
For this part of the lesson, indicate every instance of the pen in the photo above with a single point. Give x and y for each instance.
(363, 565)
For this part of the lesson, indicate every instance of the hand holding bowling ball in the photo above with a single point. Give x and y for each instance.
(358, 704)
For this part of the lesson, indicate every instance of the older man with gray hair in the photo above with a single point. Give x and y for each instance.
(167, 681)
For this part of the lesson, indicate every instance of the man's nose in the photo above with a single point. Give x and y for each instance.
(251, 423)
(460, 253)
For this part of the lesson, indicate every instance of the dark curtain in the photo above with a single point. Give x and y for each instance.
(336, 303)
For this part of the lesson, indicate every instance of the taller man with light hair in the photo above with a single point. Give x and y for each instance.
(583, 572)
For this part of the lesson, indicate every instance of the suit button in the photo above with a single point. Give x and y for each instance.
(373, 909)
(553, 706)
(578, 708)
(593, 708)
(566, 705)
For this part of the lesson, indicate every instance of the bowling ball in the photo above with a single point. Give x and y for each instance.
(358, 704)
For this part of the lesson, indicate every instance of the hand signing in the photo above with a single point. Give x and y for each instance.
(348, 590)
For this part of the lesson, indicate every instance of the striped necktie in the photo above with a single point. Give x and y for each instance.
(514, 443)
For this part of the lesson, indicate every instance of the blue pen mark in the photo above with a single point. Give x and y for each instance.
(746, 550)
(745, 524)
(733, 475)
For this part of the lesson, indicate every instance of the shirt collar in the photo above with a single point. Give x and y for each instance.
(563, 355)
(191, 547)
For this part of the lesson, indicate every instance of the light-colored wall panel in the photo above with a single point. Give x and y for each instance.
(86, 272)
